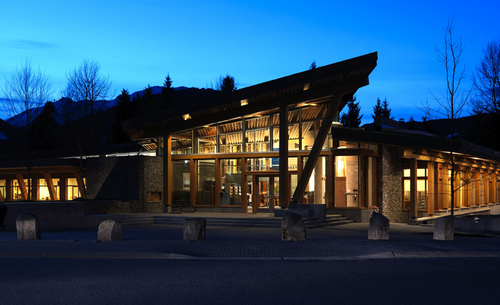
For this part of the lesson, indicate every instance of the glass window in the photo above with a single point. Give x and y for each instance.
(205, 139)
(182, 143)
(181, 180)
(231, 182)
(231, 137)
(3, 188)
(16, 189)
(43, 189)
(206, 182)
(72, 191)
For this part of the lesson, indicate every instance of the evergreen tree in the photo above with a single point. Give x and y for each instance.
(167, 93)
(351, 118)
(44, 128)
(123, 111)
(146, 102)
(411, 124)
(386, 111)
(382, 109)
(226, 84)
(377, 109)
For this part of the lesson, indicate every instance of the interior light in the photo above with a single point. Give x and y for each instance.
(244, 102)
(186, 117)
(306, 86)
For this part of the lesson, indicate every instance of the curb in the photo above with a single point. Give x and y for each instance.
(176, 256)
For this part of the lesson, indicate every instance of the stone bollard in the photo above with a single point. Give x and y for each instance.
(27, 227)
(110, 230)
(293, 228)
(378, 229)
(444, 228)
(194, 229)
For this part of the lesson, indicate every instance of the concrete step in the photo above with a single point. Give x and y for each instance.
(330, 224)
(127, 220)
(219, 221)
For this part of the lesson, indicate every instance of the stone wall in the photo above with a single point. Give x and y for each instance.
(390, 183)
(113, 178)
(151, 181)
(122, 184)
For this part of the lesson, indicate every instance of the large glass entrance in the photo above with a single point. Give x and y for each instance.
(263, 192)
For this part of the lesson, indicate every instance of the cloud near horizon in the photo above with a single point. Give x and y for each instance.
(30, 44)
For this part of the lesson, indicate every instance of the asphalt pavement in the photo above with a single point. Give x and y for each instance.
(343, 242)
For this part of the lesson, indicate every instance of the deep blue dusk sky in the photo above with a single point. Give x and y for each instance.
(138, 42)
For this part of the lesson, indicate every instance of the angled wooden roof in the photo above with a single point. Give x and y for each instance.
(317, 85)
(409, 140)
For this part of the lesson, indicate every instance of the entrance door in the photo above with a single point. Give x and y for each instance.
(265, 193)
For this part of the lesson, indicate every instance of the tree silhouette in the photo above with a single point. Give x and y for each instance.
(452, 102)
(486, 81)
(123, 111)
(44, 128)
(26, 91)
(351, 118)
(167, 93)
(226, 84)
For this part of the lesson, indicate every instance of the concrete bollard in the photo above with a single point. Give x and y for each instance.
(444, 228)
(194, 229)
(293, 228)
(110, 230)
(379, 227)
(27, 227)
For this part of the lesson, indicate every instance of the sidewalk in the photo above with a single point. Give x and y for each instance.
(344, 242)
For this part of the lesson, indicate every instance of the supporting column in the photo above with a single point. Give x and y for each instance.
(81, 185)
(193, 181)
(244, 186)
(50, 186)
(283, 155)
(330, 182)
(317, 146)
(22, 186)
(218, 182)
(168, 171)
(413, 188)
(318, 174)
(431, 187)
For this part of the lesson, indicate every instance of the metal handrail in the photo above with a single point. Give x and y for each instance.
(186, 201)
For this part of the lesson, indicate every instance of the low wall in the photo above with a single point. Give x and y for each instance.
(51, 215)
(485, 224)
(99, 207)
(358, 215)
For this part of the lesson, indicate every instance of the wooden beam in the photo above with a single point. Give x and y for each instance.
(244, 185)
(283, 158)
(22, 186)
(277, 101)
(81, 185)
(413, 188)
(317, 146)
(50, 185)
(431, 187)
(168, 171)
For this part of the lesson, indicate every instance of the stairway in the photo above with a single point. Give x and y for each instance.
(311, 223)
(331, 220)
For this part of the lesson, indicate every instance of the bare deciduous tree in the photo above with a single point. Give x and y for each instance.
(453, 101)
(89, 91)
(88, 88)
(486, 81)
(26, 91)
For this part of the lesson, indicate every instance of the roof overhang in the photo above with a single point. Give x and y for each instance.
(317, 85)
(429, 142)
